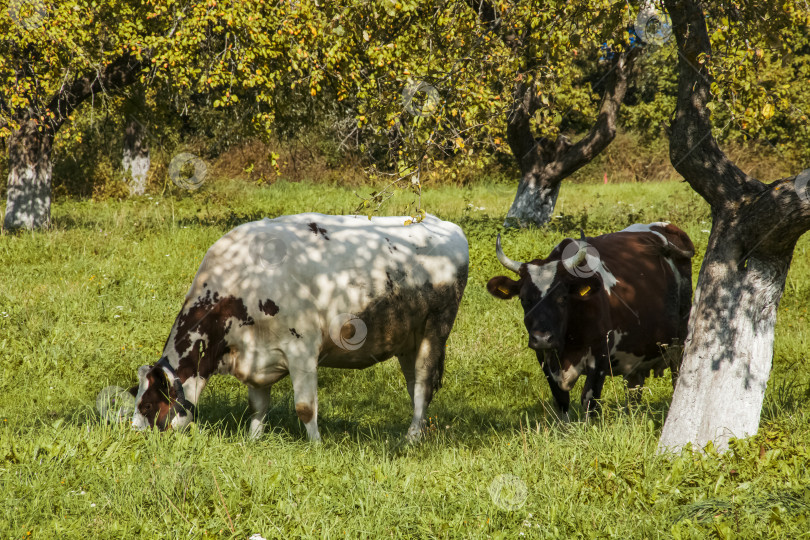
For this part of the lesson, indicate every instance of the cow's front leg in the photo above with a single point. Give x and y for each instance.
(592, 390)
(259, 399)
(561, 397)
(305, 391)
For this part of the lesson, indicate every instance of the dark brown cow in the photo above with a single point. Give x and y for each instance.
(616, 304)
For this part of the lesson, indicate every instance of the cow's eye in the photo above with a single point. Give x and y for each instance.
(146, 407)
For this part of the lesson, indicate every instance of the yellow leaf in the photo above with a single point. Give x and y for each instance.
(767, 111)
(408, 222)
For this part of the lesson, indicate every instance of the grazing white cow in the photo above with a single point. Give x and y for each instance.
(285, 296)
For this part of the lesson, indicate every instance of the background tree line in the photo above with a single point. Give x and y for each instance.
(443, 90)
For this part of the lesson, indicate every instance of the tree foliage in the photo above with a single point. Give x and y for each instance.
(421, 86)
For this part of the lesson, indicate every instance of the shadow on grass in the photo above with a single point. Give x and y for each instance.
(472, 426)
(450, 422)
(791, 502)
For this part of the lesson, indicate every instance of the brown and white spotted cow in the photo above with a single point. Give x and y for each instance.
(616, 304)
(286, 296)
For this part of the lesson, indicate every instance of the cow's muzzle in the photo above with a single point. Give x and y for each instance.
(139, 422)
(540, 341)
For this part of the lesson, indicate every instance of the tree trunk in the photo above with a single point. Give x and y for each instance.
(28, 204)
(729, 347)
(29, 148)
(728, 352)
(135, 161)
(534, 203)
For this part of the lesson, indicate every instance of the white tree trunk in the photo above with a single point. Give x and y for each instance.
(28, 204)
(136, 160)
(533, 205)
(729, 349)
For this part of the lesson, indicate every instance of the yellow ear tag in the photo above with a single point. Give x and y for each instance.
(584, 290)
(504, 290)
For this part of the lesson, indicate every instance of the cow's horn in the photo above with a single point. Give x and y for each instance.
(178, 389)
(514, 266)
(579, 258)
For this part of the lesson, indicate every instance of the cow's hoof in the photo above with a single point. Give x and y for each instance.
(413, 436)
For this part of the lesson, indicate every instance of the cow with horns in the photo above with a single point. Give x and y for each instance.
(615, 304)
(286, 296)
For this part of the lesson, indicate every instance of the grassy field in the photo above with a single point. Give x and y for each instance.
(86, 303)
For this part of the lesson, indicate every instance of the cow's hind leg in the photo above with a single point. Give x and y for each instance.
(305, 390)
(673, 356)
(635, 383)
(407, 363)
(423, 374)
(259, 399)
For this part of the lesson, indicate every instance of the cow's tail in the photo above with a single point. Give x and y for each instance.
(438, 373)
(679, 244)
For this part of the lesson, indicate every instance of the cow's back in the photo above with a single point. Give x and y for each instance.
(299, 276)
(651, 296)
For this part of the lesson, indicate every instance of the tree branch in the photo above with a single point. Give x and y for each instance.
(120, 73)
(556, 160)
(519, 130)
(694, 152)
(571, 158)
(774, 215)
(777, 217)
(488, 16)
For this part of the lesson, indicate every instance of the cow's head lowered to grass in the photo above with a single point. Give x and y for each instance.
(160, 400)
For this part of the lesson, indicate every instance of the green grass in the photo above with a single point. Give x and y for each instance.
(86, 303)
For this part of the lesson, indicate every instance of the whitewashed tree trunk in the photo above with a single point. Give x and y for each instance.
(729, 349)
(135, 160)
(29, 148)
(534, 203)
(28, 204)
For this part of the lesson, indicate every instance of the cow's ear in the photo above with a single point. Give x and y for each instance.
(133, 390)
(502, 287)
